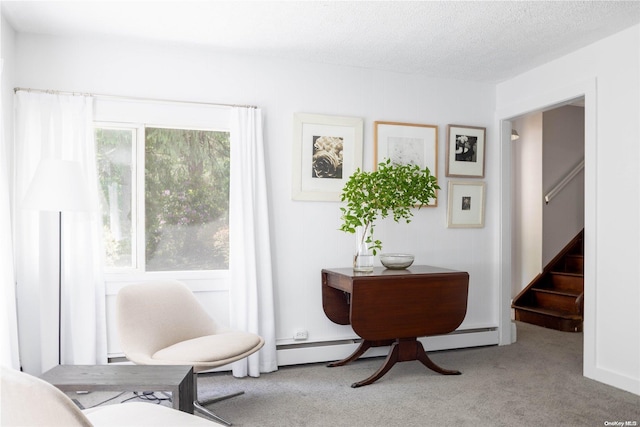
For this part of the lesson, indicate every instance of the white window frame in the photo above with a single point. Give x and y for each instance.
(138, 132)
(122, 113)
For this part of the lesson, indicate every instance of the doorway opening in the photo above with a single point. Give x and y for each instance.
(547, 190)
(578, 94)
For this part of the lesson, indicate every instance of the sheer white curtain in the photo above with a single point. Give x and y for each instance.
(251, 285)
(57, 126)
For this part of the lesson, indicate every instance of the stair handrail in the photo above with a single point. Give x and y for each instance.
(564, 181)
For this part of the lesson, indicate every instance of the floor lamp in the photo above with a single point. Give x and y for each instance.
(58, 186)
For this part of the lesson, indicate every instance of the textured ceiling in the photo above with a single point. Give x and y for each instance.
(486, 41)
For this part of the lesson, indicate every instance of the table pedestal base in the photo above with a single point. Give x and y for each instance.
(402, 350)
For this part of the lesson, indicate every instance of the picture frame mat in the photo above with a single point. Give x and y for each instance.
(455, 168)
(306, 126)
(384, 131)
(472, 215)
(423, 139)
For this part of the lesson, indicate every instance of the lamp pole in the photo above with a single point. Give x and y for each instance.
(58, 186)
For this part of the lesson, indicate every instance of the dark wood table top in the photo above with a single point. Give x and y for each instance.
(385, 272)
(386, 304)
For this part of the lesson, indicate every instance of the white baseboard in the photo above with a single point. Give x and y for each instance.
(328, 352)
(614, 379)
(300, 354)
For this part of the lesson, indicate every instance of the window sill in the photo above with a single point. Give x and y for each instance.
(198, 281)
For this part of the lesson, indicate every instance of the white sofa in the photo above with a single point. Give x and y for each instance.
(29, 401)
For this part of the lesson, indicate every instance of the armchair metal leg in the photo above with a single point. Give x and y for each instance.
(218, 399)
(198, 407)
(199, 404)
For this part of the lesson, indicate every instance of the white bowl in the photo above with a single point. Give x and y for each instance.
(396, 261)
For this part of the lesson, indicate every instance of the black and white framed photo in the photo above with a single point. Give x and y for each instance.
(326, 151)
(466, 204)
(407, 143)
(465, 151)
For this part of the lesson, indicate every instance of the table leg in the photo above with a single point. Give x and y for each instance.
(392, 358)
(421, 355)
(364, 346)
(183, 394)
(403, 350)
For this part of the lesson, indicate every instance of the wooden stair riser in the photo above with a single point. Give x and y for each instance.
(574, 264)
(570, 283)
(547, 321)
(555, 301)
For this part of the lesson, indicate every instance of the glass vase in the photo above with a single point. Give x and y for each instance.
(363, 256)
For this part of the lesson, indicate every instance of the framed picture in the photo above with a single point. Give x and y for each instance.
(465, 151)
(407, 143)
(326, 151)
(466, 204)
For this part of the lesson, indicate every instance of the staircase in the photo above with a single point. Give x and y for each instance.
(555, 298)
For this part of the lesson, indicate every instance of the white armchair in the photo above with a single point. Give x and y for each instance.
(162, 323)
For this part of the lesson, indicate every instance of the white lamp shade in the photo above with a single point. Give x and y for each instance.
(58, 185)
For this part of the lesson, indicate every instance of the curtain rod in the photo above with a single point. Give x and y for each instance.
(129, 98)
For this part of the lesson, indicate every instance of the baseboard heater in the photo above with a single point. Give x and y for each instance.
(327, 351)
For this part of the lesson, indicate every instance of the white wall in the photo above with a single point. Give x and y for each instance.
(8, 320)
(7, 53)
(305, 234)
(563, 149)
(608, 74)
(527, 201)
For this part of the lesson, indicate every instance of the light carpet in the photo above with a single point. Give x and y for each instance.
(535, 382)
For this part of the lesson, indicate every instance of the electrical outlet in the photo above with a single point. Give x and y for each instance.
(300, 334)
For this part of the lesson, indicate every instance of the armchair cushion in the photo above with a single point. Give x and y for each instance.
(220, 348)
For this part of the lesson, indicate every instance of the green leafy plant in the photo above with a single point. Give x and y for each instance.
(393, 189)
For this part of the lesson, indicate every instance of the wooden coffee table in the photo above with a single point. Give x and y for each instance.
(176, 379)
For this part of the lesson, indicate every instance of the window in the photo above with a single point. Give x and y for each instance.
(165, 197)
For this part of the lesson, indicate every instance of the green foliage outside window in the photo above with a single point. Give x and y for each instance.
(114, 155)
(186, 193)
(186, 199)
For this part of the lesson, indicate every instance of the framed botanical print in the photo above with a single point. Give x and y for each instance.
(466, 204)
(326, 151)
(407, 143)
(465, 151)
